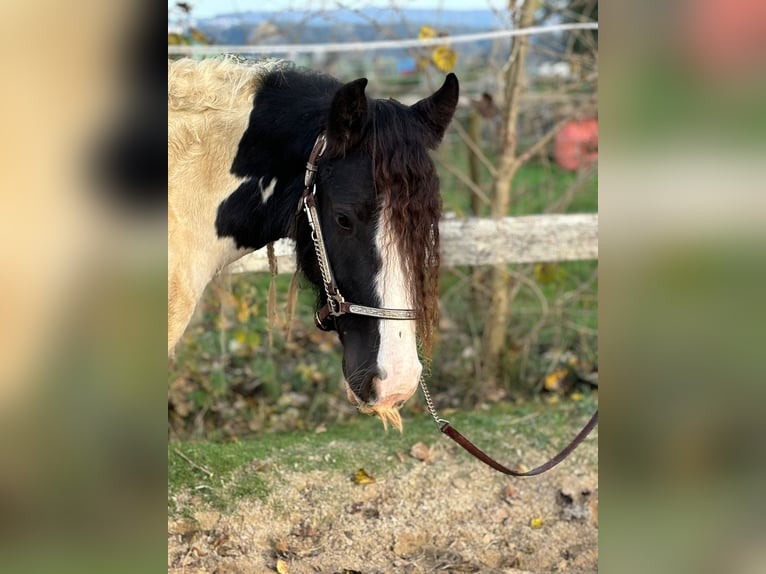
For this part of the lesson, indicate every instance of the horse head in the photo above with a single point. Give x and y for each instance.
(378, 201)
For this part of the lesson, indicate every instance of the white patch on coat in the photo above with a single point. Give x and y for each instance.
(398, 354)
(268, 191)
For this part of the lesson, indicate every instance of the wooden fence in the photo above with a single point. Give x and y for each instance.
(483, 241)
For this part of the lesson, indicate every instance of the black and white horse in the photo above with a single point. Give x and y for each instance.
(239, 138)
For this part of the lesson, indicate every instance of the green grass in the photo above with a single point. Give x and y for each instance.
(358, 443)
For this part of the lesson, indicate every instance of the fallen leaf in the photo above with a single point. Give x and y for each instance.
(281, 547)
(281, 566)
(362, 477)
(510, 491)
(257, 465)
(536, 523)
(421, 451)
(400, 456)
(556, 380)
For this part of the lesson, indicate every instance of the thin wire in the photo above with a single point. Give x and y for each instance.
(201, 50)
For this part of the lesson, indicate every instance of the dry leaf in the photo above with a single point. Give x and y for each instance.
(426, 33)
(536, 523)
(555, 381)
(362, 477)
(400, 456)
(510, 491)
(421, 451)
(444, 58)
(281, 566)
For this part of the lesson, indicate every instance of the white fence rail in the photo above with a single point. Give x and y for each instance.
(480, 241)
(203, 50)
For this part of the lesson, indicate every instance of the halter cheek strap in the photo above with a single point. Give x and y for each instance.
(336, 304)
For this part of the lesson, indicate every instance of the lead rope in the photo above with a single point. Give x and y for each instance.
(446, 428)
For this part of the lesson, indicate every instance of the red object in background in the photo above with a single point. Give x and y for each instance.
(576, 144)
(726, 37)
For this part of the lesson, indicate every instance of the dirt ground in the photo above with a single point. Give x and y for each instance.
(449, 513)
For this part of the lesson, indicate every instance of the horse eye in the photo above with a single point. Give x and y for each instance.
(343, 221)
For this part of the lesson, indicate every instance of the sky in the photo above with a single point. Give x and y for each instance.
(205, 8)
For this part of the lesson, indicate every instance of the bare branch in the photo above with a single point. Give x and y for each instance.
(475, 149)
(535, 148)
(193, 464)
(475, 189)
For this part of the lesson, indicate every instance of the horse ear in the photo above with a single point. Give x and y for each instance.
(348, 115)
(436, 110)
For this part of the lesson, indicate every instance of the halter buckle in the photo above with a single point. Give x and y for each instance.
(335, 304)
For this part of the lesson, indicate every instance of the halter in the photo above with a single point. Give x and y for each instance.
(336, 304)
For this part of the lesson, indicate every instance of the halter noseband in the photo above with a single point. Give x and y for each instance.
(336, 305)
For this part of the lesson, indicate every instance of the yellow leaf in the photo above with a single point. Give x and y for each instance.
(243, 314)
(361, 477)
(554, 381)
(576, 396)
(536, 523)
(426, 32)
(545, 272)
(444, 58)
(281, 566)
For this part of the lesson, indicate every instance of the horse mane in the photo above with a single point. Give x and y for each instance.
(215, 83)
(405, 173)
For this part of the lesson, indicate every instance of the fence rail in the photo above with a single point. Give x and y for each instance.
(482, 241)
(329, 47)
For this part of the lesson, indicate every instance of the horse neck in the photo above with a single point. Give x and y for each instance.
(287, 116)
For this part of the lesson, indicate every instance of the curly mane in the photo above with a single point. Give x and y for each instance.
(405, 173)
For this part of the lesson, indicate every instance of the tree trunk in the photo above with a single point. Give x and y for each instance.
(499, 310)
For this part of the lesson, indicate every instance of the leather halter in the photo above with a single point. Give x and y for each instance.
(336, 304)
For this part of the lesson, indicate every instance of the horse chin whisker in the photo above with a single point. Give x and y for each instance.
(385, 414)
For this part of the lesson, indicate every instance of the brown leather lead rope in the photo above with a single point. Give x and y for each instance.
(451, 432)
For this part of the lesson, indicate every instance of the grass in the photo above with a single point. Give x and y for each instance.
(230, 474)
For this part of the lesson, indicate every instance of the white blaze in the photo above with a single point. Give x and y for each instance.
(398, 355)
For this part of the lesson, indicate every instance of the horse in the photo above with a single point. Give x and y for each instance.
(259, 151)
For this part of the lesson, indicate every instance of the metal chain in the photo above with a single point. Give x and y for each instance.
(321, 256)
(430, 404)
